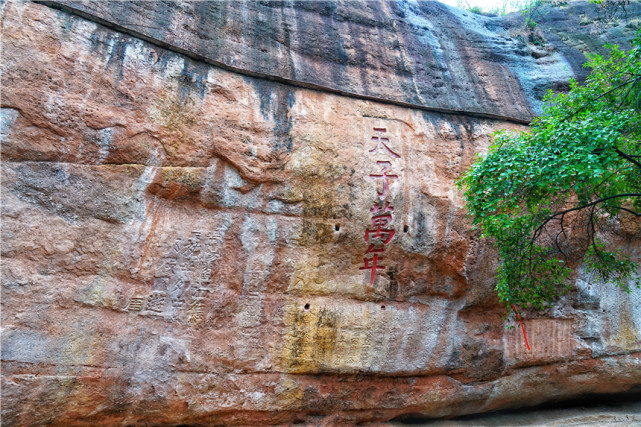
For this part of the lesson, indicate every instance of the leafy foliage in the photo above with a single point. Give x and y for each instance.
(544, 193)
(611, 10)
(503, 7)
(531, 11)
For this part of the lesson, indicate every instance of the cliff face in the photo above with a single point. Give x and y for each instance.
(194, 195)
(424, 54)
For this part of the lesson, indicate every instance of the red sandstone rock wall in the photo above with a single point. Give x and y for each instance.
(183, 244)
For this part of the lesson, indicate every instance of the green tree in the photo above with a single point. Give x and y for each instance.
(502, 7)
(546, 195)
(531, 11)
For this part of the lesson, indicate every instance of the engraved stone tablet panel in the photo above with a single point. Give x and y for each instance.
(549, 339)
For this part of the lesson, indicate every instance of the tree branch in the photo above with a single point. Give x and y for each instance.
(623, 209)
(625, 95)
(578, 208)
(628, 157)
(604, 94)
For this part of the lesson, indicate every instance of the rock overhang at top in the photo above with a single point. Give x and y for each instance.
(420, 54)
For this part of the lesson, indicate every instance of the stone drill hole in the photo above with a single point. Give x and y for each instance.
(306, 306)
(382, 307)
(337, 227)
(406, 229)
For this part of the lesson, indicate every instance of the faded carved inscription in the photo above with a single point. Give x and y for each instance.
(183, 280)
(548, 338)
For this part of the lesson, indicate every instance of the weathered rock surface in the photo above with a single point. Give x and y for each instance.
(621, 414)
(424, 54)
(183, 244)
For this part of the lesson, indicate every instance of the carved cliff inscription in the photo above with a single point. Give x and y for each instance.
(323, 337)
(182, 285)
(380, 232)
(549, 339)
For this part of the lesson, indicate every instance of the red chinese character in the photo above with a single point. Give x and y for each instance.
(380, 141)
(376, 209)
(385, 177)
(381, 220)
(372, 249)
(372, 267)
(379, 231)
